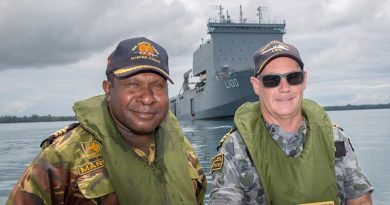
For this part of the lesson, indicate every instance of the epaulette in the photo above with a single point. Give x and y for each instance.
(340, 149)
(46, 142)
(334, 125)
(234, 128)
(339, 144)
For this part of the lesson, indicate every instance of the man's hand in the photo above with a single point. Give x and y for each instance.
(363, 200)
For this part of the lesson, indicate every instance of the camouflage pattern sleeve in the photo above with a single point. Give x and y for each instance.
(234, 178)
(351, 180)
(199, 181)
(43, 182)
(69, 170)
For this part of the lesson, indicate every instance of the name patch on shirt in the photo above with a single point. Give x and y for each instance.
(217, 162)
(320, 203)
(91, 166)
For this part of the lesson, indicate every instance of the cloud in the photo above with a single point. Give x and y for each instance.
(61, 32)
(334, 13)
(53, 53)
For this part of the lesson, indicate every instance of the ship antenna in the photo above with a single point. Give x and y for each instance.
(221, 17)
(242, 20)
(240, 14)
(260, 10)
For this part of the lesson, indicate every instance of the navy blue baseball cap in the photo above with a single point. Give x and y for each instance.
(135, 55)
(272, 50)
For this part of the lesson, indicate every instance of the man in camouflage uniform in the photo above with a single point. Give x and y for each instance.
(284, 150)
(127, 148)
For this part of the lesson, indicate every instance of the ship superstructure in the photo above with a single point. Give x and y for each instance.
(223, 65)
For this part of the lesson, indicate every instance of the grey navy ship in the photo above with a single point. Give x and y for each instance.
(223, 65)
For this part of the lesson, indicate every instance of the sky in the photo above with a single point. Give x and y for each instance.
(53, 53)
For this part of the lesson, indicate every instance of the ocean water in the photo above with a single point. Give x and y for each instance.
(369, 131)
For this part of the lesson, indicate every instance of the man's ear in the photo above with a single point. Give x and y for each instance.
(255, 83)
(304, 80)
(107, 85)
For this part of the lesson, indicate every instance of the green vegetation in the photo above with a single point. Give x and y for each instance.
(357, 107)
(49, 118)
(35, 118)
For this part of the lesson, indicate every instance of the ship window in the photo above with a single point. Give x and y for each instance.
(226, 59)
(231, 50)
(232, 59)
(220, 50)
(239, 58)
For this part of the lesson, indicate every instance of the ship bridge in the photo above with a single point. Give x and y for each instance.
(250, 28)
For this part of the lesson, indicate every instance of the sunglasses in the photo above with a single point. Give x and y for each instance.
(273, 80)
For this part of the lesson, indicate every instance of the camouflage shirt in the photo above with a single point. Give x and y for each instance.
(237, 182)
(70, 170)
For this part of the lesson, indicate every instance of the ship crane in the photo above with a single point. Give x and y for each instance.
(186, 83)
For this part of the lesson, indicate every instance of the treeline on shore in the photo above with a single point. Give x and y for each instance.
(49, 118)
(356, 107)
(35, 118)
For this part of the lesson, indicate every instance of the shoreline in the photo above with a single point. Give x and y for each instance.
(49, 118)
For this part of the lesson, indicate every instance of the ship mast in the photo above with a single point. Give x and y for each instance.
(260, 10)
(242, 20)
(240, 14)
(220, 13)
(222, 18)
